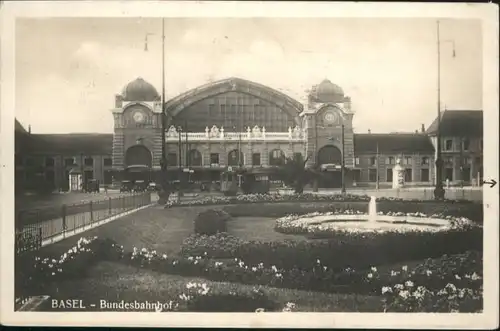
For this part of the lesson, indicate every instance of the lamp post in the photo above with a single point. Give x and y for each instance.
(163, 163)
(439, 191)
(343, 163)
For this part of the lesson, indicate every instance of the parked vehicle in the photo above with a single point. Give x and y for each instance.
(92, 186)
(126, 186)
(140, 186)
(152, 187)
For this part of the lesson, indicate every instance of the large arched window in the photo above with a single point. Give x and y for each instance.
(195, 159)
(138, 155)
(276, 157)
(329, 155)
(234, 158)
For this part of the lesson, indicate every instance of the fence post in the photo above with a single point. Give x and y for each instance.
(64, 225)
(122, 203)
(39, 241)
(91, 212)
(109, 206)
(133, 201)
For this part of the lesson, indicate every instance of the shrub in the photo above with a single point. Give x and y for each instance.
(211, 222)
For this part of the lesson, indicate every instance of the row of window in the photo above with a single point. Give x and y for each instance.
(50, 161)
(408, 175)
(448, 144)
(407, 160)
(234, 158)
(50, 176)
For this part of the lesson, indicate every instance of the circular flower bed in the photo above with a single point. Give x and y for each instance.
(350, 221)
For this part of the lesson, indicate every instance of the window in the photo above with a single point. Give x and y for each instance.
(276, 157)
(89, 174)
(19, 160)
(195, 158)
(214, 158)
(49, 176)
(49, 161)
(372, 175)
(234, 158)
(448, 160)
(465, 144)
(477, 160)
(373, 160)
(256, 159)
(89, 161)
(69, 162)
(424, 175)
(425, 160)
(108, 177)
(357, 175)
(448, 174)
(389, 175)
(172, 159)
(448, 145)
(407, 160)
(466, 160)
(356, 161)
(408, 175)
(389, 160)
(30, 162)
(466, 174)
(108, 162)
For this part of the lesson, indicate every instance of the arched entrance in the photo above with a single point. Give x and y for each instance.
(329, 154)
(138, 155)
(138, 162)
(330, 161)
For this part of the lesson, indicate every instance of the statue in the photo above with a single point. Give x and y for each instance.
(256, 131)
(214, 132)
(297, 132)
(207, 134)
(263, 131)
(172, 131)
(222, 132)
(249, 133)
(289, 132)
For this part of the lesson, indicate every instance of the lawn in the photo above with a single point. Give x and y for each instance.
(114, 282)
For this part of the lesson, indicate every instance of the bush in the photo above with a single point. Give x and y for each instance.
(211, 222)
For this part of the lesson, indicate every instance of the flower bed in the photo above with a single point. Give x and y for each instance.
(323, 225)
(424, 287)
(32, 273)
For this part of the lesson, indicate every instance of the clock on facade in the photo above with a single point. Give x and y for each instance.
(330, 117)
(139, 117)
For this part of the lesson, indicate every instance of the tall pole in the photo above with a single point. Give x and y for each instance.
(377, 159)
(343, 162)
(439, 190)
(163, 163)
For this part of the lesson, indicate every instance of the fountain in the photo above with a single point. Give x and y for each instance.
(372, 209)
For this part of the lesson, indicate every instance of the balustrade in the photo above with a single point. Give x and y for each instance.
(251, 134)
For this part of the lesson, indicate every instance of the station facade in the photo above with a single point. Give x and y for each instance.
(238, 123)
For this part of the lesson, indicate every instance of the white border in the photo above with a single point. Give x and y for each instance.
(488, 13)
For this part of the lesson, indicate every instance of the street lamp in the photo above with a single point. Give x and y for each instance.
(439, 191)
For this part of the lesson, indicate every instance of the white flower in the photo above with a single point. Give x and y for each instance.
(475, 276)
(318, 261)
(399, 286)
(164, 256)
(458, 277)
(404, 268)
(190, 258)
(259, 310)
(428, 272)
(386, 289)
(404, 294)
(409, 283)
(370, 275)
(394, 273)
(374, 269)
(254, 269)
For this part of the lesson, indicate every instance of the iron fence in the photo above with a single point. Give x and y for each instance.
(34, 227)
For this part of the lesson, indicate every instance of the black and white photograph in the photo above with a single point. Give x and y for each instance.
(231, 158)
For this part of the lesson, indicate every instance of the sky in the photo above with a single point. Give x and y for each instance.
(68, 70)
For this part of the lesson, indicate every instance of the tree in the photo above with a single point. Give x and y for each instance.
(295, 174)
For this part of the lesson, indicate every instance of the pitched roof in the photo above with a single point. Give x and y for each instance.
(392, 143)
(86, 143)
(456, 123)
(19, 127)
